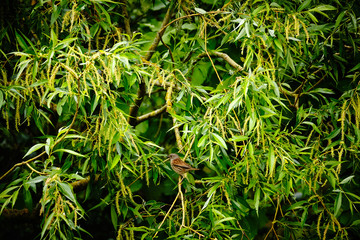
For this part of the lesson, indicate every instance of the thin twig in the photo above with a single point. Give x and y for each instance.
(182, 203)
(166, 215)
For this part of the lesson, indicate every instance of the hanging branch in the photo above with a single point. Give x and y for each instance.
(63, 136)
(25, 213)
(142, 87)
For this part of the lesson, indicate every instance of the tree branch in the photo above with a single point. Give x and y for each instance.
(24, 213)
(151, 114)
(160, 33)
(224, 56)
(142, 87)
(126, 18)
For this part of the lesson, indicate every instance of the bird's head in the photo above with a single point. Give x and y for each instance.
(173, 156)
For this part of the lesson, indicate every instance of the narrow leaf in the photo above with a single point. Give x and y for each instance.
(219, 140)
(257, 200)
(34, 149)
(70, 152)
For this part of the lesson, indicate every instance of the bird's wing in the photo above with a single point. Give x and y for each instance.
(185, 166)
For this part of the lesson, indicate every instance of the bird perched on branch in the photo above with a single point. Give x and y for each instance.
(178, 165)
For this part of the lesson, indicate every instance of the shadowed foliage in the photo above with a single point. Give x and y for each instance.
(262, 97)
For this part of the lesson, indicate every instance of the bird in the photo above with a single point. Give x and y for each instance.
(178, 165)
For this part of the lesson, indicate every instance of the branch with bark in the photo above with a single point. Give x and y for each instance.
(224, 56)
(142, 87)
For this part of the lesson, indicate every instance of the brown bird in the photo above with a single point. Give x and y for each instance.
(178, 165)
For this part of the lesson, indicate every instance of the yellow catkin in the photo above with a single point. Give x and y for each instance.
(28, 76)
(108, 133)
(305, 30)
(343, 113)
(98, 79)
(53, 75)
(325, 231)
(318, 224)
(42, 86)
(227, 197)
(147, 177)
(130, 194)
(17, 114)
(6, 117)
(4, 77)
(355, 103)
(142, 171)
(122, 186)
(73, 16)
(287, 29)
(75, 213)
(69, 80)
(110, 144)
(117, 203)
(132, 236)
(99, 145)
(357, 112)
(127, 237)
(118, 237)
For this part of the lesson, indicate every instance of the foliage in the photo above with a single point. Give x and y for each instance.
(263, 97)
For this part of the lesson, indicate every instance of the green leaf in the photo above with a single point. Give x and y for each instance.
(67, 191)
(272, 160)
(297, 205)
(257, 200)
(202, 140)
(36, 180)
(304, 5)
(115, 161)
(239, 138)
(219, 140)
(339, 18)
(332, 180)
(114, 217)
(47, 223)
(189, 26)
(21, 41)
(278, 45)
(70, 152)
(348, 179)
(313, 126)
(200, 10)
(34, 149)
(337, 204)
(323, 7)
(333, 134)
(355, 68)
(290, 62)
(322, 90)
(207, 201)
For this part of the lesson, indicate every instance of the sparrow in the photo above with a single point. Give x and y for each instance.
(178, 165)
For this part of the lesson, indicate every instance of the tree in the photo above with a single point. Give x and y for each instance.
(262, 97)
